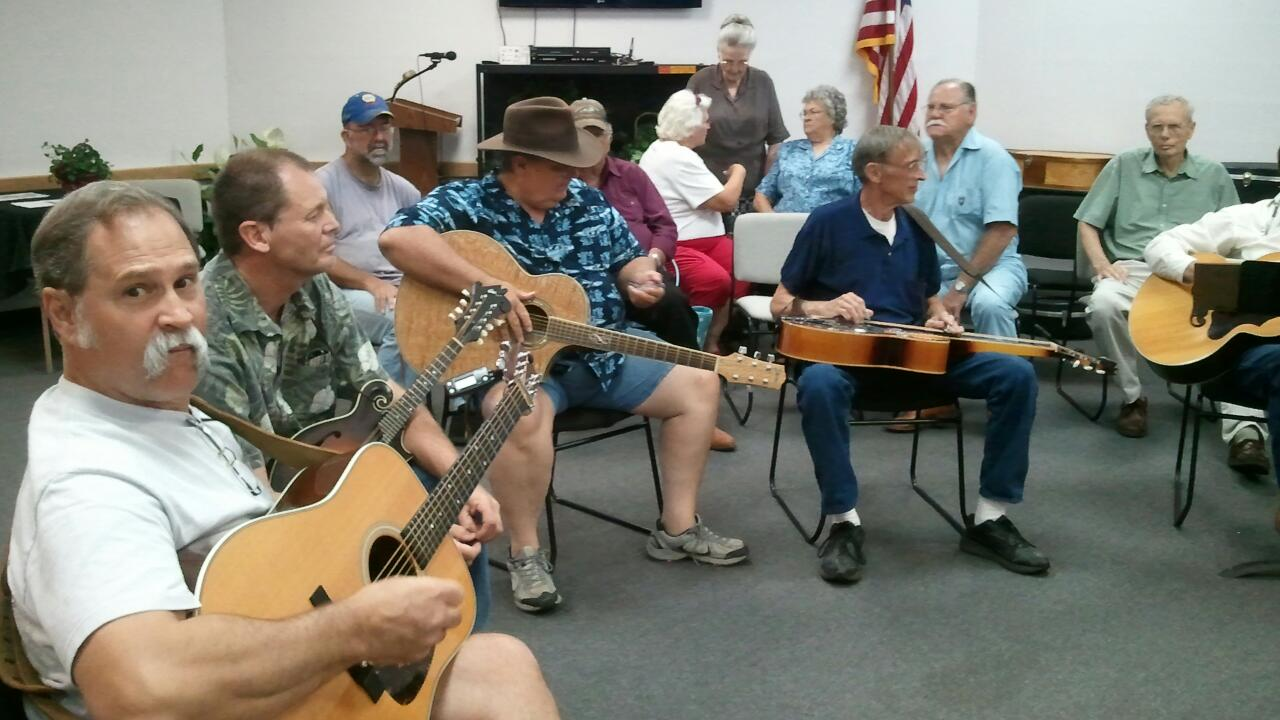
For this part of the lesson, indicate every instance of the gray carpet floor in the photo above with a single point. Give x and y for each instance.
(1132, 622)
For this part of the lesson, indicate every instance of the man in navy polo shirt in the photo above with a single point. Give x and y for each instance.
(865, 257)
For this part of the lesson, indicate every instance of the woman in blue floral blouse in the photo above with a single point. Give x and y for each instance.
(816, 170)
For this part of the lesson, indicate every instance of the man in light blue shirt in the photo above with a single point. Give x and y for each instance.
(971, 193)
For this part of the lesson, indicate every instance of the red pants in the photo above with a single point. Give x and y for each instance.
(706, 271)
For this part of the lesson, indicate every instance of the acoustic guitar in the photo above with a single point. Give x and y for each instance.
(376, 521)
(909, 347)
(1184, 344)
(375, 417)
(559, 313)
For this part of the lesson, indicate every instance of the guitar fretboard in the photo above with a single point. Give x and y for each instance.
(595, 338)
(397, 416)
(430, 524)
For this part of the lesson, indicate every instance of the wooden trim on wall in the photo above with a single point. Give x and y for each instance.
(43, 182)
(459, 169)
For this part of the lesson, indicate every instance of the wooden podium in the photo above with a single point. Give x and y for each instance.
(419, 126)
(1059, 170)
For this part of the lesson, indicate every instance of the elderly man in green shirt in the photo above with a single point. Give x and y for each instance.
(1138, 195)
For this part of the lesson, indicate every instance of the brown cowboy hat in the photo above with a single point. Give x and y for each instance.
(543, 126)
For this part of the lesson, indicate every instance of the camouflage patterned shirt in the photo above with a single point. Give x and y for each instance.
(582, 237)
(282, 377)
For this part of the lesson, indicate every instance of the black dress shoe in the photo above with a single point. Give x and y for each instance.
(840, 558)
(999, 540)
(1248, 456)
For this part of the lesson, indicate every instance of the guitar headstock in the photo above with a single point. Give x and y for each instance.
(522, 385)
(479, 312)
(751, 370)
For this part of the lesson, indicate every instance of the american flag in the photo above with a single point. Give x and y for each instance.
(886, 41)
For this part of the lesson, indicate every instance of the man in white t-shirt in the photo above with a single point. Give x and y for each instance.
(364, 196)
(127, 488)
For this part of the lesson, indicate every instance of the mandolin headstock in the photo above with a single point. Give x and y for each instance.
(751, 370)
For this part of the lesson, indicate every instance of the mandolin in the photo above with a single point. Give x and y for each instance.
(1185, 344)
(559, 313)
(375, 417)
(374, 521)
(909, 347)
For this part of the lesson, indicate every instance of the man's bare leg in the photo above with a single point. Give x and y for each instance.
(521, 472)
(494, 677)
(687, 400)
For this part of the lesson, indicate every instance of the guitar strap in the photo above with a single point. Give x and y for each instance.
(936, 236)
(290, 452)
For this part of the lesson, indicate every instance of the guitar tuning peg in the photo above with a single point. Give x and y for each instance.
(769, 358)
(466, 292)
(755, 355)
(453, 315)
(742, 349)
(484, 334)
(462, 304)
(505, 345)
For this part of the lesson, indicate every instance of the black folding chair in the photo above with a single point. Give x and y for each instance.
(893, 398)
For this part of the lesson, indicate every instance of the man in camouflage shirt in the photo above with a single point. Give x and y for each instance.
(552, 222)
(283, 342)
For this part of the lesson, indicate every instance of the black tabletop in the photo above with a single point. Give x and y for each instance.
(17, 225)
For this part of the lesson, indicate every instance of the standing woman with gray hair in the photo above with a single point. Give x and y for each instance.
(816, 170)
(746, 121)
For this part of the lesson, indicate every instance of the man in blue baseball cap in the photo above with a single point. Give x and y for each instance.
(364, 196)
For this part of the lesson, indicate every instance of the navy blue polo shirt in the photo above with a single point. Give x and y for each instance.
(837, 252)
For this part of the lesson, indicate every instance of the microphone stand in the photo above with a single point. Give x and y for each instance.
(409, 76)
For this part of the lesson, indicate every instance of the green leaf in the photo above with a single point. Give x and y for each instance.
(195, 154)
(257, 140)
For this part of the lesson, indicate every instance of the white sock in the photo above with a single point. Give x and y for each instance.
(987, 510)
(851, 516)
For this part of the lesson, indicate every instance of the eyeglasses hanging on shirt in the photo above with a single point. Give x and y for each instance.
(228, 456)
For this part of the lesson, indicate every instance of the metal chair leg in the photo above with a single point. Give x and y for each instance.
(937, 507)
(1180, 506)
(810, 538)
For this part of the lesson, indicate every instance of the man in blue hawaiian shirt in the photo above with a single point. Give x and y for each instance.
(552, 222)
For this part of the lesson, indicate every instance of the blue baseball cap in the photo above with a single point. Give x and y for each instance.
(363, 107)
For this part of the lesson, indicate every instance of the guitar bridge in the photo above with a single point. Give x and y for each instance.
(401, 682)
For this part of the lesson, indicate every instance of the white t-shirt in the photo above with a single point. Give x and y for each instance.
(363, 212)
(684, 182)
(887, 228)
(119, 505)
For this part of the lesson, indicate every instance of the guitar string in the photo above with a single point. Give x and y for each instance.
(399, 413)
(1025, 342)
(486, 443)
(475, 458)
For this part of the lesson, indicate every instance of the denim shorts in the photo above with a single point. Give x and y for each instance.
(570, 382)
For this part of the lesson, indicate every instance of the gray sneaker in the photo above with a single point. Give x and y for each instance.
(698, 543)
(531, 584)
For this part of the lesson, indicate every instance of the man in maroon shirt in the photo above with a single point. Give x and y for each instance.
(630, 191)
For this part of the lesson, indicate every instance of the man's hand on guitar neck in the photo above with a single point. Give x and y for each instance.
(946, 322)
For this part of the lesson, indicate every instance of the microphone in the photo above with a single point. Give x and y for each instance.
(434, 57)
(437, 56)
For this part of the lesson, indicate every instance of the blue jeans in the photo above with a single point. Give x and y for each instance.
(992, 302)
(479, 566)
(379, 328)
(826, 395)
(1257, 377)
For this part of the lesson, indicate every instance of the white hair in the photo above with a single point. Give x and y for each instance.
(682, 114)
(737, 31)
(155, 358)
(1163, 100)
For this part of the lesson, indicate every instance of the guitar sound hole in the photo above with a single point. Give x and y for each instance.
(388, 556)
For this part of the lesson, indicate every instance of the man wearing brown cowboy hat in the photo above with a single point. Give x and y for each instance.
(552, 222)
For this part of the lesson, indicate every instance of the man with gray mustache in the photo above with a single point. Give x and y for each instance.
(971, 193)
(127, 488)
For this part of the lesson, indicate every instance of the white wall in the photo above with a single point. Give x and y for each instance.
(147, 80)
(144, 80)
(298, 80)
(1076, 75)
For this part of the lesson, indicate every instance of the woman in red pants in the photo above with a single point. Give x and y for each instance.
(696, 198)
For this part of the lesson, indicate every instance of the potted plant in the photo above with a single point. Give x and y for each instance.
(76, 166)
